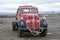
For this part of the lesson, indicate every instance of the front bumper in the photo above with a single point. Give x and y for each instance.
(27, 30)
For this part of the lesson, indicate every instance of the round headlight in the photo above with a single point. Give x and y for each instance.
(21, 18)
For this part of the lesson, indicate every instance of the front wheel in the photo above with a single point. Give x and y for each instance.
(44, 33)
(20, 34)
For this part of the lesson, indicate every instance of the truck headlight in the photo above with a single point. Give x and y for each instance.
(21, 18)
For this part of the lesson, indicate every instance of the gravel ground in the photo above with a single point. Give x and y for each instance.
(6, 32)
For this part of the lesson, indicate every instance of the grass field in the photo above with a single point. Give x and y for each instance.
(14, 15)
(6, 32)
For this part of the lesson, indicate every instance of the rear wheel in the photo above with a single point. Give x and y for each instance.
(44, 33)
(14, 26)
(44, 25)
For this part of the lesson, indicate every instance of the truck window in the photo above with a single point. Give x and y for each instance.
(25, 10)
(29, 10)
(33, 10)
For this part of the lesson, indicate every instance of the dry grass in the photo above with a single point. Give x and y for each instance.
(47, 15)
(8, 15)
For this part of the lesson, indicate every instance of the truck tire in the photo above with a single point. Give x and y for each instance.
(20, 34)
(14, 26)
(44, 33)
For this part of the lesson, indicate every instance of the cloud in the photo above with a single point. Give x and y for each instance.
(38, 1)
(43, 5)
(53, 6)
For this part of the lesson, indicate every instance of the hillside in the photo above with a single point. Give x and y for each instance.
(41, 15)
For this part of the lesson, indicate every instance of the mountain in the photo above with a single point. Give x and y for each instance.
(41, 12)
(7, 13)
(49, 12)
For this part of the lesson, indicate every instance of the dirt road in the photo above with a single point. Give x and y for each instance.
(6, 32)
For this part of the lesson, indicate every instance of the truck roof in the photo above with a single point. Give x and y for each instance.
(20, 7)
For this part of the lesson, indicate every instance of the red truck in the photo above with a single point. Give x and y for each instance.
(27, 20)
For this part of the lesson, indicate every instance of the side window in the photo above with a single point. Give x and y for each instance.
(18, 11)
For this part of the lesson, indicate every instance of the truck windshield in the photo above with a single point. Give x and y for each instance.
(30, 10)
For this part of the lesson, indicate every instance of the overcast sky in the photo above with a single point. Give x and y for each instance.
(43, 5)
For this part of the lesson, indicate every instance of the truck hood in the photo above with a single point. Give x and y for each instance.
(32, 20)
